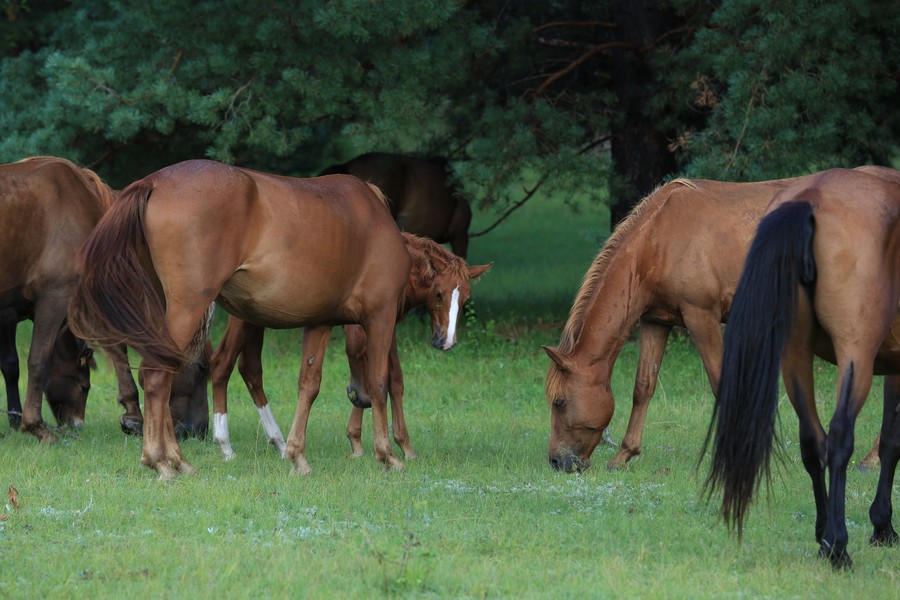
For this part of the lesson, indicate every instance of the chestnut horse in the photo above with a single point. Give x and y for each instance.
(422, 196)
(822, 276)
(68, 378)
(275, 251)
(438, 280)
(674, 261)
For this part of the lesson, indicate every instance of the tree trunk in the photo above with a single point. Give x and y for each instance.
(640, 155)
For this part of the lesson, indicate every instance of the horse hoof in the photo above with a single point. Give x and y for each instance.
(393, 464)
(410, 455)
(840, 560)
(888, 537)
(131, 426)
(15, 421)
(186, 468)
(301, 467)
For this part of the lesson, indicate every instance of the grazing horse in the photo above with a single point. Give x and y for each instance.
(822, 276)
(68, 373)
(48, 206)
(674, 261)
(438, 280)
(422, 196)
(275, 251)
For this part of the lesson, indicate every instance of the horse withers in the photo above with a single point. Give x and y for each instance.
(201, 231)
(421, 194)
(438, 280)
(821, 277)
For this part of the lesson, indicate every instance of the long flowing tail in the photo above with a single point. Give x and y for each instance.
(779, 261)
(116, 301)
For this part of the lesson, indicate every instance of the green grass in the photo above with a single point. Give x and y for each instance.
(478, 514)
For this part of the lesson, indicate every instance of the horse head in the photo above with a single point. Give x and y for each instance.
(450, 290)
(69, 379)
(578, 416)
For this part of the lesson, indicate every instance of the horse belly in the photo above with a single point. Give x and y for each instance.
(282, 301)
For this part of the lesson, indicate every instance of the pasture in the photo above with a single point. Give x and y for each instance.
(478, 514)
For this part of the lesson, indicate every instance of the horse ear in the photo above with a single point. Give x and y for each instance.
(558, 359)
(86, 358)
(479, 270)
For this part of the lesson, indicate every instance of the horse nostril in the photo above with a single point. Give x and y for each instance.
(556, 463)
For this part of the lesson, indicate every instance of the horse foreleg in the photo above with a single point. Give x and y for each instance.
(395, 385)
(871, 459)
(653, 345)
(881, 510)
(132, 421)
(221, 365)
(354, 431)
(49, 315)
(379, 333)
(250, 368)
(315, 341)
(9, 365)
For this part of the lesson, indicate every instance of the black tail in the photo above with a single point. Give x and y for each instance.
(779, 261)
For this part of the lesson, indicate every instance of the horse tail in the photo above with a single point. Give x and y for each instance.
(779, 261)
(116, 301)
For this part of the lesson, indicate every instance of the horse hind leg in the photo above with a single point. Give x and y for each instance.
(854, 382)
(250, 368)
(880, 513)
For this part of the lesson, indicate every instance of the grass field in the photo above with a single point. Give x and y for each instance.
(479, 514)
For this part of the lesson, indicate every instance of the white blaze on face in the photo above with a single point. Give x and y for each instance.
(451, 324)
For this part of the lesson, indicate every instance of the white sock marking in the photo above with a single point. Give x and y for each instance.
(221, 436)
(273, 433)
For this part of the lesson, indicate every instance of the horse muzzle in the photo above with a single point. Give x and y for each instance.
(568, 462)
(440, 341)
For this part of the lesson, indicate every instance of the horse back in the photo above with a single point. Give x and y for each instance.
(422, 198)
(47, 210)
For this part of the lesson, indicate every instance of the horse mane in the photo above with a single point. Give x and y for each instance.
(651, 202)
(423, 250)
(377, 191)
(105, 194)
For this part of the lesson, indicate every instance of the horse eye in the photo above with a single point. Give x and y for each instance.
(559, 402)
(439, 296)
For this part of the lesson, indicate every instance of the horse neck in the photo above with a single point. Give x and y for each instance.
(612, 310)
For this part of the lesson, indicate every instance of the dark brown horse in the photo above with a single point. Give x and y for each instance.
(822, 276)
(68, 378)
(422, 196)
(675, 261)
(275, 251)
(438, 280)
(48, 206)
